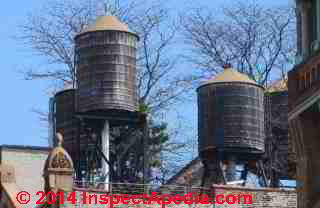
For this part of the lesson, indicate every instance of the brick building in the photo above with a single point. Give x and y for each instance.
(304, 108)
(35, 169)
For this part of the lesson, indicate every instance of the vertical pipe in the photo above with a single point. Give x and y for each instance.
(105, 149)
(51, 122)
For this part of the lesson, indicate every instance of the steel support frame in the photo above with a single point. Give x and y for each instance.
(139, 120)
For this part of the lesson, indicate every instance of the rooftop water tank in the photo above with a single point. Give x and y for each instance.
(65, 121)
(231, 115)
(106, 67)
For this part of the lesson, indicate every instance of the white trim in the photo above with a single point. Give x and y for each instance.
(304, 105)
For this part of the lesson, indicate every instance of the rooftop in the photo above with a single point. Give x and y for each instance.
(23, 147)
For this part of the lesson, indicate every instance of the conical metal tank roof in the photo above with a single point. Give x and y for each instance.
(278, 86)
(230, 75)
(106, 23)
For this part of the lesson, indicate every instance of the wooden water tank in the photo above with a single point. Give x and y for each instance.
(64, 117)
(106, 67)
(231, 115)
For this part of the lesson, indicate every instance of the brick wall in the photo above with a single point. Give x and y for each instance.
(262, 197)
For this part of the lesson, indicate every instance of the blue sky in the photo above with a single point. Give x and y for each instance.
(19, 125)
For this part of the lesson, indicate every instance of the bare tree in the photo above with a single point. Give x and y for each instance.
(255, 39)
(50, 34)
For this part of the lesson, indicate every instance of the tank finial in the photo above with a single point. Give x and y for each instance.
(227, 66)
(59, 139)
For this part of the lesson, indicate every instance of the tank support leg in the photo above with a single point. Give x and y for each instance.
(222, 172)
(263, 173)
(245, 174)
(105, 149)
